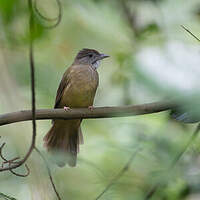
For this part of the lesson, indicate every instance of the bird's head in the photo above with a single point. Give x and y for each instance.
(89, 57)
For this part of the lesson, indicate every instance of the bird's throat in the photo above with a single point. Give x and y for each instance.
(96, 64)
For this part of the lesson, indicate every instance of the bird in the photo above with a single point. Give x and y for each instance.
(77, 89)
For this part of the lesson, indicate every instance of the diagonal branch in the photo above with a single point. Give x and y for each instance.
(192, 138)
(119, 175)
(153, 190)
(6, 197)
(192, 34)
(98, 112)
(49, 172)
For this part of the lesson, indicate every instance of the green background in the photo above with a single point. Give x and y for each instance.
(151, 58)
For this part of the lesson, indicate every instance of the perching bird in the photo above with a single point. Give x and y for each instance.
(76, 90)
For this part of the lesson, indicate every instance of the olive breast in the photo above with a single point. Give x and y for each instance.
(82, 82)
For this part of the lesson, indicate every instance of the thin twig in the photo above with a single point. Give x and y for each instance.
(11, 162)
(6, 197)
(49, 173)
(41, 15)
(119, 175)
(174, 162)
(32, 69)
(98, 112)
(14, 165)
(1, 154)
(21, 175)
(192, 138)
(57, 19)
(190, 33)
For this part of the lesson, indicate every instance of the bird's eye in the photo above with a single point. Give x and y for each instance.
(90, 55)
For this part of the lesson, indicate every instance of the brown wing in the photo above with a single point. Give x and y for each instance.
(62, 86)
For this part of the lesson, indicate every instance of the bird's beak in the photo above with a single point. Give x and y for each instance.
(102, 56)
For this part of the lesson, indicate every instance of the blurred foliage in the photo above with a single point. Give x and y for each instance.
(152, 58)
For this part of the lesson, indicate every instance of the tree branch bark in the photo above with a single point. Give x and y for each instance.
(98, 112)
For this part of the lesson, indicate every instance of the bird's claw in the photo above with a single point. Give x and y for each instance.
(67, 108)
(91, 107)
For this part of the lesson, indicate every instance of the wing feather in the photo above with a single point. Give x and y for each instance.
(63, 84)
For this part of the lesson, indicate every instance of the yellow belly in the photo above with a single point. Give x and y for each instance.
(75, 96)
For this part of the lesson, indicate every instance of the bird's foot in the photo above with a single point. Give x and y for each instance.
(91, 107)
(66, 108)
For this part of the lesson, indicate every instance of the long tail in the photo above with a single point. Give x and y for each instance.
(63, 139)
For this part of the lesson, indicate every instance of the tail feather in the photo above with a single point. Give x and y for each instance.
(63, 139)
(80, 136)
